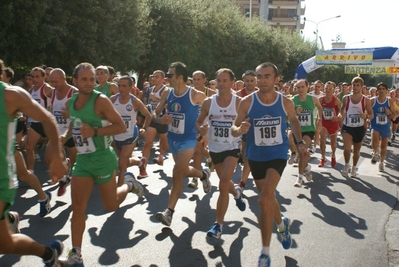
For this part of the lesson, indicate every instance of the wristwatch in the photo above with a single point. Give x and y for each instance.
(302, 142)
(95, 130)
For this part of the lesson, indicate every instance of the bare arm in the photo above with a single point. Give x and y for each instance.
(317, 104)
(369, 109)
(241, 123)
(199, 124)
(113, 88)
(161, 105)
(139, 106)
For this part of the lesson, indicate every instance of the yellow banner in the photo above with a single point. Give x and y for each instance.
(371, 70)
(340, 57)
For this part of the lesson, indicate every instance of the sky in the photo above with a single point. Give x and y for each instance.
(374, 22)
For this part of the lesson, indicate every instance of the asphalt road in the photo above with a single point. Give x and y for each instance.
(336, 221)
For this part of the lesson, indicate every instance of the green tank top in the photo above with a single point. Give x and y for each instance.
(104, 90)
(8, 177)
(87, 115)
(306, 117)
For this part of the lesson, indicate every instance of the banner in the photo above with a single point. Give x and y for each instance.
(344, 57)
(371, 70)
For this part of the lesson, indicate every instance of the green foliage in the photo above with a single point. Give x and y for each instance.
(144, 35)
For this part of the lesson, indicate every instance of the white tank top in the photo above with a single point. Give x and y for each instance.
(129, 116)
(57, 106)
(352, 118)
(220, 121)
(39, 97)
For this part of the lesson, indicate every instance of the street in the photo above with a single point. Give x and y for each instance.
(335, 221)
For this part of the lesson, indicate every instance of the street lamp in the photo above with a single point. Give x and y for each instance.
(317, 26)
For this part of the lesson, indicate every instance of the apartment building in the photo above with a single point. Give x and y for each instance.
(276, 13)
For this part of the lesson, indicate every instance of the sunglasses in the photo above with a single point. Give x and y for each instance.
(169, 75)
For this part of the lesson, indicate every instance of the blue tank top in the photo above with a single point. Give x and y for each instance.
(267, 138)
(184, 114)
(380, 118)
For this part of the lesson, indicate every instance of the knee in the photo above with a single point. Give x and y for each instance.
(224, 185)
(265, 201)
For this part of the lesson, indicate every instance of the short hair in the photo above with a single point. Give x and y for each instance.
(83, 65)
(268, 64)
(180, 69)
(49, 68)
(328, 83)
(302, 80)
(200, 72)
(104, 68)
(358, 79)
(1, 66)
(127, 78)
(42, 71)
(228, 71)
(111, 70)
(382, 84)
(158, 71)
(9, 72)
(248, 72)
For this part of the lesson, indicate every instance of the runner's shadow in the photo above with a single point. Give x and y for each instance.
(113, 240)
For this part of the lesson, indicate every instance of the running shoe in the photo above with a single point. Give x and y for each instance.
(241, 184)
(323, 162)
(333, 162)
(264, 261)
(137, 187)
(285, 235)
(63, 183)
(298, 182)
(308, 173)
(45, 206)
(292, 158)
(215, 231)
(374, 158)
(142, 168)
(37, 158)
(381, 167)
(165, 217)
(346, 170)
(158, 160)
(194, 183)
(57, 248)
(13, 222)
(239, 202)
(353, 173)
(73, 259)
(206, 183)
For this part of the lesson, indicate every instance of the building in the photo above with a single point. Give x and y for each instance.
(276, 13)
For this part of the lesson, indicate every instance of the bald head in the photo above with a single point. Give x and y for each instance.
(58, 79)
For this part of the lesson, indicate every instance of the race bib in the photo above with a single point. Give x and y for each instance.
(381, 119)
(267, 131)
(177, 125)
(355, 120)
(221, 131)
(328, 113)
(304, 118)
(83, 145)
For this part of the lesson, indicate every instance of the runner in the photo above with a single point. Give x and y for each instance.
(355, 110)
(182, 104)
(221, 110)
(128, 106)
(93, 123)
(14, 100)
(261, 116)
(380, 126)
(330, 126)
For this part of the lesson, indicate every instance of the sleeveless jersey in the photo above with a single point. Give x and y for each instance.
(87, 115)
(104, 90)
(57, 106)
(129, 116)
(380, 119)
(329, 111)
(184, 114)
(39, 97)
(8, 177)
(352, 117)
(220, 121)
(267, 139)
(243, 92)
(306, 117)
(153, 104)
